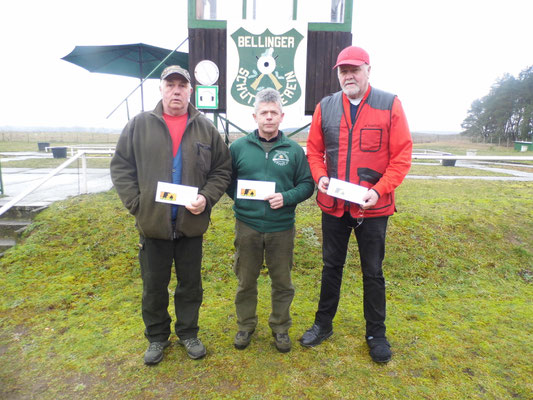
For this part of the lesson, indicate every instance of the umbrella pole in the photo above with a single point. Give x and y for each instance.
(142, 80)
(141, 76)
(142, 96)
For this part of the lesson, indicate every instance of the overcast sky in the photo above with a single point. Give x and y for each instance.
(437, 56)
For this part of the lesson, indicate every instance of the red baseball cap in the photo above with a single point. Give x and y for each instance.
(352, 55)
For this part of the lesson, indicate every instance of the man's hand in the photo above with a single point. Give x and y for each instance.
(198, 206)
(370, 198)
(275, 200)
(323, 184)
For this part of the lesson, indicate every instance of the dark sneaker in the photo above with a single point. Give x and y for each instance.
(379, 349)
(154, 354)
(282, 342)
(242, 339)
(315, 335)
(195, 348)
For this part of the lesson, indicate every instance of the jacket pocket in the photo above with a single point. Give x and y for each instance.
(203, 157)
(133, 206)
(325, 201)
(385, 201)
(370, 139)
(368, 175)
(194, 225)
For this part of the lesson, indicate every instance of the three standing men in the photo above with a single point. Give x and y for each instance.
(359, 135)
(264, 228)
(173, 143)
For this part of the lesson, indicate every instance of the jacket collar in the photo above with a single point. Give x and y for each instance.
(262, 139)
(191, 110)
(367, 93)
(254, 136)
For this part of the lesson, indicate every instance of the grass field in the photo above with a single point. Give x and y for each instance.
(460, 146)
(27, 141)
(459, 270)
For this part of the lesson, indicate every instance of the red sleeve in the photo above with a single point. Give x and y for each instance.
(315, 146)
(400, 150)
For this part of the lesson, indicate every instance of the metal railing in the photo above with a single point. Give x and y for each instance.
(1, 181)
(83, 187)
(449, 156)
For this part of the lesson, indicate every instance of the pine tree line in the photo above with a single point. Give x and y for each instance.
(506, 113)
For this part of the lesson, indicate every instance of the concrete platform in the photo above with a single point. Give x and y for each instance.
(67, 183)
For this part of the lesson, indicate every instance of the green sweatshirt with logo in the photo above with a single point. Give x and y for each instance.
(285, 164)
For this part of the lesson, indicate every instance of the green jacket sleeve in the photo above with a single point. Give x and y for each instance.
(303, 181)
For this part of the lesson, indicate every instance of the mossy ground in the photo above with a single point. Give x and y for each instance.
(459, 268)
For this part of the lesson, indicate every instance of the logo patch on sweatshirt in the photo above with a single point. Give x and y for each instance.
(281, 157)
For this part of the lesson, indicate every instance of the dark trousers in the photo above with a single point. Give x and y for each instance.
(156, 257)
(370, 235)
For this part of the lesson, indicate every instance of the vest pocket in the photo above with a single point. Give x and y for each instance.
(325, 201)
(370, 139)
(384, 202)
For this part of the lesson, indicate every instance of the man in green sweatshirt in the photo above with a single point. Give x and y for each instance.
(264, 226)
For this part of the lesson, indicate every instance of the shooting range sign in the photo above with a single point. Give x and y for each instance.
(262, 57)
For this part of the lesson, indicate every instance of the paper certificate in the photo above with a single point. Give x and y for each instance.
(175, 194)
(254, 190)
(346, 191)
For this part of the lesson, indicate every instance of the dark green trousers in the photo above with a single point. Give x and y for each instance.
(275, 250)
(156, 258)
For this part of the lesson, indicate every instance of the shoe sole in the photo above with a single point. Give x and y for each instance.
(155, 362)
(282, 350)
(382, 361)
(197, 357)
(316, 344)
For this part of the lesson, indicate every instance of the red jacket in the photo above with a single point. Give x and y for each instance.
(375, 152)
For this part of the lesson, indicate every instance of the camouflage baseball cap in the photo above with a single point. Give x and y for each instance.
(175, 69)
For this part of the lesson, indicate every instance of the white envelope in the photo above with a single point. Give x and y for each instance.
(175, 194)
(254, 190)
(346, 191)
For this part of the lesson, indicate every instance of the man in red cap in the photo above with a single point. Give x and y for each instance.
(358, 135)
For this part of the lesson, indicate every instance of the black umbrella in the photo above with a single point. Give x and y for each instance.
(136, 60)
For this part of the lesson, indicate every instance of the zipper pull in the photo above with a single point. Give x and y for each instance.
(266, 156)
